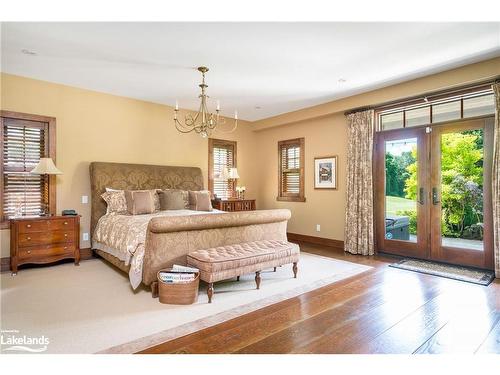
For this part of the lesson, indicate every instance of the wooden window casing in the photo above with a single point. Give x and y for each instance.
(24, 139)
(291, 170)
(221, 154)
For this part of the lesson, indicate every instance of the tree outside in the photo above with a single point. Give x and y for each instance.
(461, 189)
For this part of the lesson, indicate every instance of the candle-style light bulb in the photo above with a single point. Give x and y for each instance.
(218, 105)
(176, 105)
(236, 115)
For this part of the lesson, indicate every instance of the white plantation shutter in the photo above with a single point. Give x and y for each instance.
(223, 157)
(291, 169)
(23, 144)
(223, 160)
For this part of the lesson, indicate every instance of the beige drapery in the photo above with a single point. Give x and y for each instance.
(359, 225)
(496, 182)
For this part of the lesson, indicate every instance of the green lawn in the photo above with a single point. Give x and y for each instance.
(395, 204)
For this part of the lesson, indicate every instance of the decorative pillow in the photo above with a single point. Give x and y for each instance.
(200, 201)
(140, 202)
(172, 199)
(155, 196)
(116, 202)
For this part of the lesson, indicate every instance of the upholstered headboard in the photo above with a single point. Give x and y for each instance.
(135, 177)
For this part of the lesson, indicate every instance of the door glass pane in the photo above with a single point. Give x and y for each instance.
(479, 106)
(392, 121)
(446, 111)
(401, 189)
(462, 156)
(418, 116)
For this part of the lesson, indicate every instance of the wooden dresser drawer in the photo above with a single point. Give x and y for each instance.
(45, 251)
(45, 238)
(33, 226)
(45, 225)
(62, 224)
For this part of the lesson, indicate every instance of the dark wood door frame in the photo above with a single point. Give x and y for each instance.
(419, 249)
(476, 258)
(429, 215)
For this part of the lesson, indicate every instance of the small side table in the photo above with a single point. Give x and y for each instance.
(234, 204)
(44, 239)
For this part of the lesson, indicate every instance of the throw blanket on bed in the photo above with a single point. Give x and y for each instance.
(123, 236)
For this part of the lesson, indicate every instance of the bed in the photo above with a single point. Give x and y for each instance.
(141, 245)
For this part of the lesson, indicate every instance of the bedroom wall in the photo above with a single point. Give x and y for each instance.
(325, 130)
(93, 126)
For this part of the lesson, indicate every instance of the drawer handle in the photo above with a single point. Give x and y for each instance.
(28, 226)
(65, 247)
(65, 234)
(29, 251)
(28, 238)
(65, 223)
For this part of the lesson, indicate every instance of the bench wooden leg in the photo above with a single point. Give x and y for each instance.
(237, 278)
(210, 292)
(274, 269)
(295, 269)
(154, 289)
(257, 279)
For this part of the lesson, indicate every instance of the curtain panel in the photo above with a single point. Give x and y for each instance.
(496, 182)
(359, 221)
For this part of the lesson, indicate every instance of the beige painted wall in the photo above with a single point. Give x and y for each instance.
(323, 137)
(325, 130)
(92, 126)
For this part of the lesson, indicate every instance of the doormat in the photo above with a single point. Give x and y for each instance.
(470, 275)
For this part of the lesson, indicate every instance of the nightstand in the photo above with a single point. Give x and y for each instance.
(234, 204)
(44, 239)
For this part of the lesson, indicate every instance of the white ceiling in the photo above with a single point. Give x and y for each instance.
(279, 67)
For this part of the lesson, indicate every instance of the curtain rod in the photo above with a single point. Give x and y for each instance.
(421, 97)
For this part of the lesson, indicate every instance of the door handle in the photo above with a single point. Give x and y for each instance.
(435, 199)
(421, 196)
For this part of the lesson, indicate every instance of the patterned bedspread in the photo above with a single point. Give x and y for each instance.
(123, 236)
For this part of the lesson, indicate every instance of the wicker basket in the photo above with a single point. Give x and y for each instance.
(178, 293)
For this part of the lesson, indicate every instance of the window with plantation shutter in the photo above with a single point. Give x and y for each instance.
(24, 142)
(221, 157)
(291, 170)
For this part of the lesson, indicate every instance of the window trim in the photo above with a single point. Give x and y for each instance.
(214, 142)
(51, 125)
(292, 197)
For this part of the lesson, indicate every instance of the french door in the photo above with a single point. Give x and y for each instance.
(433, 192)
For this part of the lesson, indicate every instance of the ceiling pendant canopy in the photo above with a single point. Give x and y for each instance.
(204, 122)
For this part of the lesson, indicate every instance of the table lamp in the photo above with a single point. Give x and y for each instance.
(46, 167)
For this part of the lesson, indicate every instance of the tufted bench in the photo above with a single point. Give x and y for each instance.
(225, 262)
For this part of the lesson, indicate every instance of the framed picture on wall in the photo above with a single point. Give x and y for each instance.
(325, 172)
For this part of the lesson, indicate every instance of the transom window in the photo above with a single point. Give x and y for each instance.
(438, 109)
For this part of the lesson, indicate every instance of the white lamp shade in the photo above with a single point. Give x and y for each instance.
(46, 166)
(233, 173)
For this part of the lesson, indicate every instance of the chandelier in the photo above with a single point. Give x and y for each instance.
(204, 122)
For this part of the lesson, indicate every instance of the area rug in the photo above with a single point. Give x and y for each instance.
(92, 308)
(470, 275)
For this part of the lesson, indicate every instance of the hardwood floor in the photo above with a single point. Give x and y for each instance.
(384, 310)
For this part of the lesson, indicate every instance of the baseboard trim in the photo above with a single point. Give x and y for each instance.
(5, 264)
(316, 240)
(85, 254)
